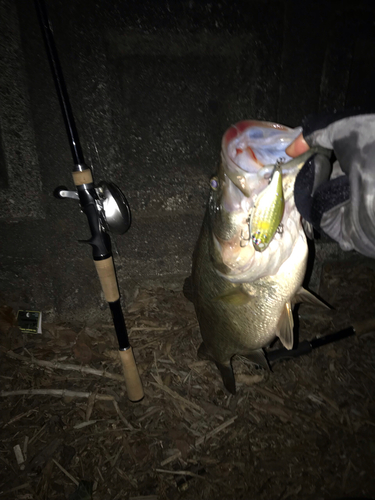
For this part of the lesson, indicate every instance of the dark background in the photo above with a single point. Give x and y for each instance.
(153, 86)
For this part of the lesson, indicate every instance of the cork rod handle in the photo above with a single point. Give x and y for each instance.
(107, 276)
(132, 379)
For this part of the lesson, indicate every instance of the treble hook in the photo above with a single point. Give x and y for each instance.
(245, 241)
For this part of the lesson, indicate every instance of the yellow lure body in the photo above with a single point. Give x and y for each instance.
(268, 212)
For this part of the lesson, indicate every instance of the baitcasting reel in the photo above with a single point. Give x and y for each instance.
(112, 206)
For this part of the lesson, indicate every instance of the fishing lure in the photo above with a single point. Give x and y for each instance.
(268, 211)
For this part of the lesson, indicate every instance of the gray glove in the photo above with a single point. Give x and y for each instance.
(339, 199)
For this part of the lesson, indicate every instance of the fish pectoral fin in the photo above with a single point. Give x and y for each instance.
(309, 229)
(285, 327)
(236, 297)
(259, 358)
(187, 289)
(307, 297)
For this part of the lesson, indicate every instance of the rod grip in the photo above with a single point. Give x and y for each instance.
(83, 177)
(132, 379)
(107, 277)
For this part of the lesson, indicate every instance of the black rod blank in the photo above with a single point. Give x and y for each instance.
(58, 77)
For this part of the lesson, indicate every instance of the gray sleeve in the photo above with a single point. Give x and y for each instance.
(352, 224)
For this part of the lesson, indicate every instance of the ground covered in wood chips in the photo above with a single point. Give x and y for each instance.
(304, 431)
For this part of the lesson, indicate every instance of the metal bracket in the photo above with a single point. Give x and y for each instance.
(63, 192)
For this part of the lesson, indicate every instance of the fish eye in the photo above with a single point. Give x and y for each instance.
(214, 183)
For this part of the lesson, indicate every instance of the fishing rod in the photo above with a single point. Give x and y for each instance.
(105, 207)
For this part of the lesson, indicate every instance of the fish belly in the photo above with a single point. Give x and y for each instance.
(229, 329)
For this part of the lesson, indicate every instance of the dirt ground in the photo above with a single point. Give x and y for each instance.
(306, 430)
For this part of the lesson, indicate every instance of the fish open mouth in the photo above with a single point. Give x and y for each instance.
(250, 145)
(250, 150)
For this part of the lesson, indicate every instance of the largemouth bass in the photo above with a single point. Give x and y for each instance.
(244, 295)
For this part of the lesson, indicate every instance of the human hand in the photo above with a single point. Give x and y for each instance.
(339, 198)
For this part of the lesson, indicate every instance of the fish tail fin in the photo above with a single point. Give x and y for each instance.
(307, 297)
(227, 375)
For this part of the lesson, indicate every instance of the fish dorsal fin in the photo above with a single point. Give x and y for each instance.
(235, 296)
(307, 297)
(187, 289)
(285, 327)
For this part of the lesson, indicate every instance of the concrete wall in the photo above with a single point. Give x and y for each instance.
(153, 86)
